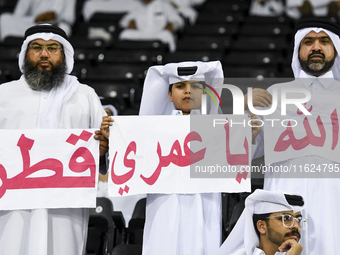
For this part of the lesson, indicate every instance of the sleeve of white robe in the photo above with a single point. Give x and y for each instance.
(69, 13)
(23, 8)
(125, 20)
(173, 17)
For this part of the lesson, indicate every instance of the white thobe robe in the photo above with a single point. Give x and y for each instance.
(45, 231)
(319, 7)
(184, 7)
(91, 7)
(182, 224)
(151, 19)
(320, 194)
(269, 8)
(258, 251)
(23, 17)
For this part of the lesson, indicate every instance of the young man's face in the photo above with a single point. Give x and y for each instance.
(317, 53)
(186, 95)
(277, 233)
(45, 60)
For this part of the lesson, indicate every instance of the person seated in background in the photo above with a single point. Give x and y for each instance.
(28, 13)
(266, 8)
(298, 8)
(152, 20)
(47, 97)
(185, 8)
(271, 223)
(92, 7)
(294, 8)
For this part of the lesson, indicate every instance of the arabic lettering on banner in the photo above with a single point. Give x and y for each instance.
(170, 154)
(48, 168)
(296, 135)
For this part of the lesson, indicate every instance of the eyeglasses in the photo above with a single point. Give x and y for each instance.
(288, 220)
(53, 49)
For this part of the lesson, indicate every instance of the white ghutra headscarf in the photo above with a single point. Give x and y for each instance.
(243, 238)
(316, 24)
(155, 99)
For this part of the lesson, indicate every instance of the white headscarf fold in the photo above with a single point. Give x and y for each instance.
(155, 99)
(49, 112)
(243, 238)
(300, 34)
(68, 49)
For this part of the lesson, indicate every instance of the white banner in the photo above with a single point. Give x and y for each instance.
(296, 135)
(179, 154)
(45, 168)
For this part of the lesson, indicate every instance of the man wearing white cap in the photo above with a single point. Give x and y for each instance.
(316, 63)
(270, 224)
(46, 97)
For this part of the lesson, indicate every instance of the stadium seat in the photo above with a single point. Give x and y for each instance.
(9, 71)
(213, 29)
(265, 30)
(204, 56)
(226, 6)
(13, 41)
(259, 73)
(7, 5)
(203, 43)
(252, 19)
(127, 249)
(122, 93)
(101, 228)
(232, 208)
(253, 58)
(264, 43)
(120, 56)
(220, 17)
(136, 224)
(83, 42)
(115, 71)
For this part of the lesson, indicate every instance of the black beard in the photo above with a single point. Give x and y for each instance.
(294, 232)
(310, 67)
(43, 80)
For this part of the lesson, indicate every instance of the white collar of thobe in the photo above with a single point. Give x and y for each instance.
(325, 80)
(192, 112)
(258, 251)
(49, 111)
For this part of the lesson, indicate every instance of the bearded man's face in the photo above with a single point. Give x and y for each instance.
(44, 67)
(317, 53)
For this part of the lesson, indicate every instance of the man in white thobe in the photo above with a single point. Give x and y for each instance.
(152, 20)
(28, 13)
(271, 223)
(46, 97)
(316, 63)
(297, 8)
